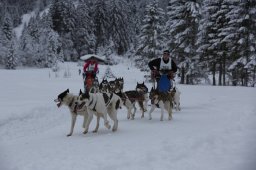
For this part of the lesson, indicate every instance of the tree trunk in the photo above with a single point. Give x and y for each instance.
(246, 77)
(182, 81)
(254, 77)
(213, 74)
(224, 69)
(220, 74)
(234, 78)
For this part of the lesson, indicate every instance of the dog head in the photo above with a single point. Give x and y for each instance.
(83, 99)
(153, 95)
(112, 86)
(61, 98)
(120, 82)
(141, 87)
(104, 83)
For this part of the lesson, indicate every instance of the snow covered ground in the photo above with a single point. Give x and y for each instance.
(215, 130)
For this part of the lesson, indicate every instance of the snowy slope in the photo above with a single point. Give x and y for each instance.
(215, 130)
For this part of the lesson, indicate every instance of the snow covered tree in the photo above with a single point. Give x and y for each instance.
(11, 58)
(119, 29)
(3, 48)
(7, 44)
(208, 36)
(244, 23)
(50, 50)
(83, 33)
(63, 16)
(151, 36)
(101, 21)
(182, 26)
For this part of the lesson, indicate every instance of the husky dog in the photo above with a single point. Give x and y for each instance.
(112, 86)
(120, 83)
(101, 105)
(162, 99)
(142, 88)
(95, 86)
(130, 98)
(176, 98)
(68, 99)
(104, 86)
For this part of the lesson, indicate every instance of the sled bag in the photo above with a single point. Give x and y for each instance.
(164, 83)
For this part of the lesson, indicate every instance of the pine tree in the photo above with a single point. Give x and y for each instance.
(83, 33)
(243, 67)
(8, 45)
(208, 36)
(101, 21)
(119, 29)
(151, 37)
(11, 59)
(50, 47)
(62, 16)
(182, 26)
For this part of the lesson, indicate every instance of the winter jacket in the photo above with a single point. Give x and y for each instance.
(91, 66)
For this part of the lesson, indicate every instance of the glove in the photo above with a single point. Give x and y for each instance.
(154, 73)
(171, 75)
(84, 75)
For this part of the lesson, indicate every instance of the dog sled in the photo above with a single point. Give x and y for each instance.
(164, 79)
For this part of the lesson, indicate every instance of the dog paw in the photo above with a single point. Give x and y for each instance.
(150, 118)
(95, 131)
(107, 126)
(114, 129)
(85, 132)
(69, 134)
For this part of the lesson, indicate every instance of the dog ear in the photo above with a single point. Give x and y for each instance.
(67, 90)
(80, 92)
(143, 83)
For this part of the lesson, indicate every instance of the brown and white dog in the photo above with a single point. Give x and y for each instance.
(143, 89)
(70, 100)
(164, 101)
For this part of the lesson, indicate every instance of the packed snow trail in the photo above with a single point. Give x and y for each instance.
(214, 130)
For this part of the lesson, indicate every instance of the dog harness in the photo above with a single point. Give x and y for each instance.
(94, 108)
(71, 103)
(107, 99)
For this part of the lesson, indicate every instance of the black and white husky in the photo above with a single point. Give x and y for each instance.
(101, 105)
(70, 100)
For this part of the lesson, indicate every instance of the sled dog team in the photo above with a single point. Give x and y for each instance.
(110, 97)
